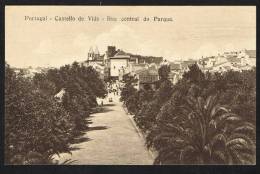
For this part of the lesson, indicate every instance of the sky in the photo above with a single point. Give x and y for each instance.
(195, 31)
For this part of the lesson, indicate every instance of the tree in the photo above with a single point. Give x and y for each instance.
(132, 103)
(240, 93)
(163, 72)
(82, 86)
(164, 92)
(205, 118)
(146, 116)
(128, 89)
(36, 126)
(43, 83)
(194, 75)
(197, 131)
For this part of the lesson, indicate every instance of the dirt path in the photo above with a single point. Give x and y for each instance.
(113, 140)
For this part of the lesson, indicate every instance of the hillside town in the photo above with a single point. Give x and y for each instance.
(115, 63)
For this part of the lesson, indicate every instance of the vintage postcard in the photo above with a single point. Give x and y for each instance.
(130, 85)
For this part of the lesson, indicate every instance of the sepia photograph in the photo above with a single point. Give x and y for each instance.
(130, 85)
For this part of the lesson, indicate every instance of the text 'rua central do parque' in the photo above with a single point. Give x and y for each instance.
(98, 19)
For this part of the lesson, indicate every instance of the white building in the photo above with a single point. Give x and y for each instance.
(134, 67)
(220, 59)
(60, 94)
(236, 61)
(119, 62)
(225, 66)
(248, 57)
(95, 56)
(208, 62)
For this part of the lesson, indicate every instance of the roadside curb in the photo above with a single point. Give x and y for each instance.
(140, 133)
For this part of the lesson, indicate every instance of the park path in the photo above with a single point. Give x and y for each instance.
(113, 140)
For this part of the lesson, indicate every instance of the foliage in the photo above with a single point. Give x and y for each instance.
(203, 119)
(201, 131)
(128, 89)
(82, 85)
(240, 93)
(38, 125)
(146, 117)
(34, 122)
(164, 71)
(132, 103)
(146, 103)
(194, 75)
(236, 89)
(163, 93)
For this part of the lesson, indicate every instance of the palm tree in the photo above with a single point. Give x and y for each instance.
(201, 131)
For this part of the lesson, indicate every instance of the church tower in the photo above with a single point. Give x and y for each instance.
(91, 54)
(96, 53)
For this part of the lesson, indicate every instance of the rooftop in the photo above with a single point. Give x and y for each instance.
(175, 66)
(187, 63)
(121, 54)
(251, 53)
(149, 71)
(233, 59)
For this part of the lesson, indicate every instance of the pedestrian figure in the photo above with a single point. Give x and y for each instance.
(102, 103)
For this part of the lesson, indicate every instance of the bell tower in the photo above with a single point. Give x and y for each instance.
(91, 54)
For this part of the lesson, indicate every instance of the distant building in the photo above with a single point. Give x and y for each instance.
(96, 60)
(60, 94)
(220, 59)
(248, 57)
(30, 71)
(147, 78)
(186, 63)
(248, 54)
(236, 61)
(175, 67)
(174, 77)
(95, 56)
(176, 72)
(230, 54)
(135, 67)
(207, 62)
(223, 67)
(111, 51)
(119, 61)
(138, 59)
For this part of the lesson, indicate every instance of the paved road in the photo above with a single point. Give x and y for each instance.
(117, 144)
